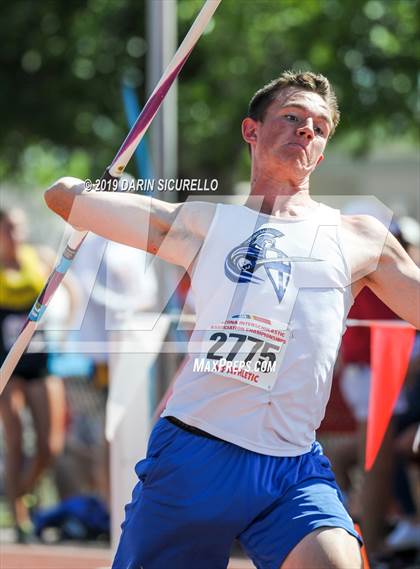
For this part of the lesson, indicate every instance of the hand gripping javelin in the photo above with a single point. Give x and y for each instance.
(113, 171)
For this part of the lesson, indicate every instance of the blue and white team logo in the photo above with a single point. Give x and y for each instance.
(260, 252)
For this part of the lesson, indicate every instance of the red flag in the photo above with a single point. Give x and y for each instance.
(390, 353)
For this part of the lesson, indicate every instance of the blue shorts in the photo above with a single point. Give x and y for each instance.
(196, 495)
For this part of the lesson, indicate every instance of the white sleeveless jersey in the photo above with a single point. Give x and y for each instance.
(272, 296)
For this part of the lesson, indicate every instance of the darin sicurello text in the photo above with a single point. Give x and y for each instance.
(160, 185)
(172, 185)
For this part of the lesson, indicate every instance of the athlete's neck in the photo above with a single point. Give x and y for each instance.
(280, 198)
(277, 194)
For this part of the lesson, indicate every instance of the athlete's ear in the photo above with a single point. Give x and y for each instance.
(249, 130)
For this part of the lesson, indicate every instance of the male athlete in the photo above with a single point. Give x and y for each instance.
(234, 454)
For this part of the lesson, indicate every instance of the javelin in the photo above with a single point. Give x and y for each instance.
(114, 170)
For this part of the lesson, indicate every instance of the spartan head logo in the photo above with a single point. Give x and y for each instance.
(259, 252)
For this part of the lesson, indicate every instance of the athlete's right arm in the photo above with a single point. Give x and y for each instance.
(174, 232)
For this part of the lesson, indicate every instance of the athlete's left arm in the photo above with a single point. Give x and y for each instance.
(396, 278)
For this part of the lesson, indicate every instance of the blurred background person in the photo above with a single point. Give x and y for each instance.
(23, 272)
(374, 493)
(406, 533)
(114, 288)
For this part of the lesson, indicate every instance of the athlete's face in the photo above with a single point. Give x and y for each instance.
(293, 134)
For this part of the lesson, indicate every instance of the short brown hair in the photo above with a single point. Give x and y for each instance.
(306, 80)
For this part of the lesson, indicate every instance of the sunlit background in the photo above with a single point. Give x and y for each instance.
(63, 65)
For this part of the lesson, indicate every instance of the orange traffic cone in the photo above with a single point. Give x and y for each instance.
(363, 549)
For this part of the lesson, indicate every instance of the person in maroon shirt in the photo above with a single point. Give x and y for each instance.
(372, 502)
(355, 347)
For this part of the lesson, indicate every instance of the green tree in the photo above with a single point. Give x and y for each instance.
(63, 63)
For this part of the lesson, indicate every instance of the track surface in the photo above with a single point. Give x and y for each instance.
(14, 556)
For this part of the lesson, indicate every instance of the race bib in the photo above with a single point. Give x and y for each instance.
(246, 347)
